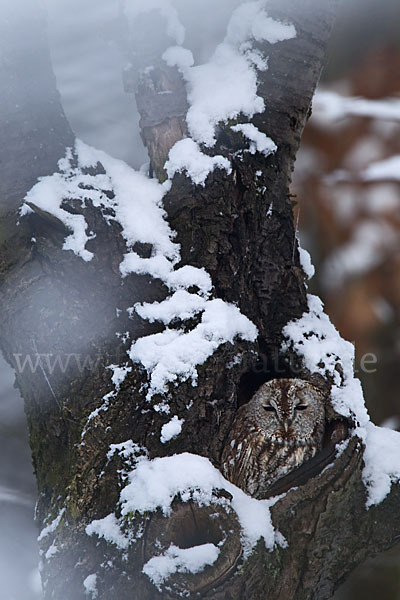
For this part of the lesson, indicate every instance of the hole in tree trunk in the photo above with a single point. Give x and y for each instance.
(190, 525)
(264, 368)
(195, 529)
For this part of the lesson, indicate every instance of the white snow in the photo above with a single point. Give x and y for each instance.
(381, 197)
(181, 305)
(13, 496)
(230, 73)
(171, 429)
(233, 80)
(157, 266)
(95, 413)
(119, 374)
(184, 277)
(128, 450)
(109, 529)
(319, 343)
(306, 264)
(251, 21)
(155, 483)
(90, 585)
(189, 276)
(173, 354)
(177, 56)
(137, 205)
(259, 141)
(392, 422)
(366, 150)
(383, 310)
(186, 155)
(52, 526)
(47, 195)
(382, 462)
(180, 560)
(51, 551)
(316, 340)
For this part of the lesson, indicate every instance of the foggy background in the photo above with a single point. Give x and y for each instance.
(89, 56)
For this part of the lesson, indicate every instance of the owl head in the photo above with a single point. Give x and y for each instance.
(288, 410)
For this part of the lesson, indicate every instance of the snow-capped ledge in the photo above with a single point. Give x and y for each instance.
(154, 484)
(317, 341)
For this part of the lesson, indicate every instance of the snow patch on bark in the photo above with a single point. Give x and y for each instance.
(173, 355)
(109, 529)
(230, 73)
(259, 142)
(90, 586)
(52, 526)
(171, 430)
(180, 560)
(186, 155)
(306, 264)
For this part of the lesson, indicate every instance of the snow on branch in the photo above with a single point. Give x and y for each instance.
(324, 351)
(136, 204)
(231, 74)
(173, 354)
(154, 484)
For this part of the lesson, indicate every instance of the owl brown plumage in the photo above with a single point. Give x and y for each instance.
(280, 428)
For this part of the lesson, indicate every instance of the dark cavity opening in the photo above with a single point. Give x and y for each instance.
(264, 368)
(194, 529)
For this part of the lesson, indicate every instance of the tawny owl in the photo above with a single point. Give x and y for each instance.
(280, 428)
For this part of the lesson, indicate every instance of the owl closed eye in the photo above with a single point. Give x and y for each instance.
(280, 428)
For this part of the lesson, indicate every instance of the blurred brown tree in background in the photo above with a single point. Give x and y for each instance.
(347, 188)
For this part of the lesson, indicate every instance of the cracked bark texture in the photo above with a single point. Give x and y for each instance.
(53, 302)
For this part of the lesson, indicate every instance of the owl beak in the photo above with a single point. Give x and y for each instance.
(286, 425)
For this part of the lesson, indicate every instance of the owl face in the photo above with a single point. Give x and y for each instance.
(290, 411)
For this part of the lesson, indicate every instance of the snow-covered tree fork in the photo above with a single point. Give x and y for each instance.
(126, 448)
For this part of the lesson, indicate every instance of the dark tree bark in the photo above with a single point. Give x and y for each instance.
(53, 302)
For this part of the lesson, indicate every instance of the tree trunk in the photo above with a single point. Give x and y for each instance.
(239, 228)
